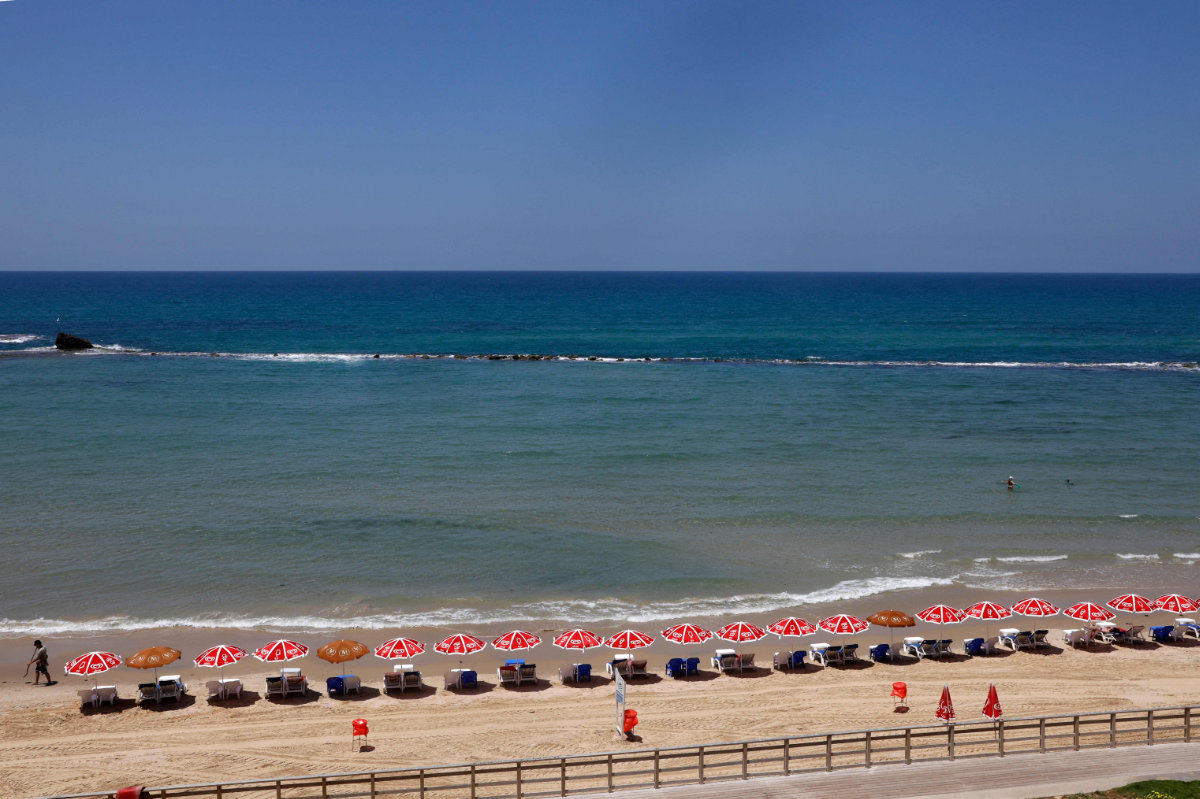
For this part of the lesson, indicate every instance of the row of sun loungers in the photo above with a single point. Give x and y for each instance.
(166, 687)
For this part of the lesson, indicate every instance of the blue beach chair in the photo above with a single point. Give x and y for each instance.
(974, 647)
(692, 667)
(334, 686)
(1162, 634)
(879, 652)
(676, 668)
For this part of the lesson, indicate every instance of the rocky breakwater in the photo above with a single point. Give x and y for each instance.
(65, 341)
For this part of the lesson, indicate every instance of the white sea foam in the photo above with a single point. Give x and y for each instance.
(608, 611)
(1188, 556)
(918, 553)
(1135, 556)
(19, 338)
(1127, 515)
(1032, 558)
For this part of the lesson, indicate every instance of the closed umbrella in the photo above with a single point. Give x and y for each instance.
(991, 708)
(516, 640)
(342, 652)
(152, 657)
(220, 656)
(792, 627)
(399, 649)
(687, 634)
(459, 644)
(740, 632)
(891, 619)
(945, 708)
(578, 639)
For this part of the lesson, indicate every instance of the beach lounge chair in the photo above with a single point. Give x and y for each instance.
(147, 691)
(943, 646)
(850, 652)
(619, 664)
(912, 646)
(973, 646)
(507, 675)
(409, 679)
(1134, 633)
(929, 648)
(230, 686)
(527, 673)
(171, 687)
(1106, 635)
(693, 666)
(1008, 637)
(1023, 640)
(990, 645)
(88, 697)
(1191, 629)
(468, 679)
(393, 681)
(835, 655)
(1039, 638)
(351, 683)
(746, 661)
(293, 681)
(274, 687)
(334, 686)
(817, 653)
(578, 672)
(215, 689)
(879, 652)
(676, 668)
(637, 668)
(1162, 634)
(726, 660)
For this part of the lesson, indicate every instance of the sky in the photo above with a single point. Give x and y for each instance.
(809, 136)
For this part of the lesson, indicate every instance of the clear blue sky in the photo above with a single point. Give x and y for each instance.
(245, 134)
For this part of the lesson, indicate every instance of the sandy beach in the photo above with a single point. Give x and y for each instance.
(48, 745)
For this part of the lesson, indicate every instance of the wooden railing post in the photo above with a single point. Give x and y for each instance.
(1149, 728)
(1000, 736)
(829, 753)
(700, 755)
(562, 777)
(278, 790)
(1187, 724)
(745, 761)
(473, 777)
(656, 771)
(372, 785)
(1112, 729)
(908, 745)
(867, 748)
(950, 741)
(518, 779)
(421, 783)
(610, 776)
(787, 756)
(324, 789)
(1042, 736)
(1075, 731)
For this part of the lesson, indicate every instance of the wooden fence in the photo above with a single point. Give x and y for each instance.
(691, 765)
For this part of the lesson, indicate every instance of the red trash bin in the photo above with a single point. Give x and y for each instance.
(631, 720)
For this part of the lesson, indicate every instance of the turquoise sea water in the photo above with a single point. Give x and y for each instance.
(235, 454)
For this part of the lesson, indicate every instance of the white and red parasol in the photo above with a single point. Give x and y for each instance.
(578, 639)
(1131, 603)
(991, 707)
(1088, 611)
(459, 644)
(942, 614)
(515, 640)
(1035, 607)
(740, 632)
(92, 663)
(629, 639)
(988, 611)
(280, 651)
(792, 627)
(1176, 603)
(843, 624)
(687, 634)
(945, 708)
(220, 656)
(399, 649)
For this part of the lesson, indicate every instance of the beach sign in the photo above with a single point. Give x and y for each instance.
(619, 682)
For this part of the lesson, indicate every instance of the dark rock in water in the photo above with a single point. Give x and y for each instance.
(377, 356)
(67, 342)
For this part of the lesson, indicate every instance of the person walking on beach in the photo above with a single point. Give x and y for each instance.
(42, 659)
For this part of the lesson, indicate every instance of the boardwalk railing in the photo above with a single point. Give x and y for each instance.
(691, 765)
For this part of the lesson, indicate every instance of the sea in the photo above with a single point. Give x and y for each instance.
(322, 450)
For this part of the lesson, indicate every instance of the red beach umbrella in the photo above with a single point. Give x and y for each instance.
(792, 627)
(92, 663)
(843, 624)
(1035, 607)
(516, 639)
(459, 644)
(1131, 603)
(687, 634)
(988, 611)
(1176, 603)
(399, 649)
(740, 632)
(941, 614)
(991, 708)
(578, 639)
(629, 639)
(1086, 611)
(281, 650)
(220, 656)
(945, 708)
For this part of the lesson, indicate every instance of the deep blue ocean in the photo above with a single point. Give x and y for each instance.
(235, 454)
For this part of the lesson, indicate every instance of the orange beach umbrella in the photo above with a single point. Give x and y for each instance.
(342, 651)
(152, 657)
